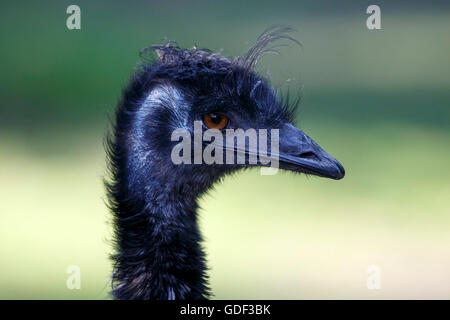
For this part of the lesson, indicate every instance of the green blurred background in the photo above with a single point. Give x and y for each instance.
(378, 100)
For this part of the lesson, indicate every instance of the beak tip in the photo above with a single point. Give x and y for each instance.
(341, 171)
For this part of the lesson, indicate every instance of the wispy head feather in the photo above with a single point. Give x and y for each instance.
(263, 45)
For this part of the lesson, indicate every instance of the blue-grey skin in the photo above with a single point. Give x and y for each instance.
(154, 202)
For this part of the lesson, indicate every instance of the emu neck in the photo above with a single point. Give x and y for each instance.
(159, 254)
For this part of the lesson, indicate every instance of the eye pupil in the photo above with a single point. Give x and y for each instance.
(216, 118)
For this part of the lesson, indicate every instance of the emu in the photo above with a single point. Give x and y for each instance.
(158, 253)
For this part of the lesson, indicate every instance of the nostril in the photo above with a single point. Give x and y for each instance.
(308, 155)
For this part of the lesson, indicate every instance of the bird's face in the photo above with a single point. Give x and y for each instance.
(251, 104)
(220, 108)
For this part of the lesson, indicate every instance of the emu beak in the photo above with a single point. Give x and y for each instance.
(300, 153)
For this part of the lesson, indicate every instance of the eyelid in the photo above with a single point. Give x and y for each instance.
(223, 129)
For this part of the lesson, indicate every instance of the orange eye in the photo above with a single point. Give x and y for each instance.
(215, 121)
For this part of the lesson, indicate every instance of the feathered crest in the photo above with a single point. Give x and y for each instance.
(262, 45)
(170, 53)
(193, 62)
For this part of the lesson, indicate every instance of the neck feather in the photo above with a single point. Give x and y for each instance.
(158, 253)
(158, 247)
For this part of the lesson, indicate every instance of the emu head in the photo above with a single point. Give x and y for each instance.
(184, 88)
